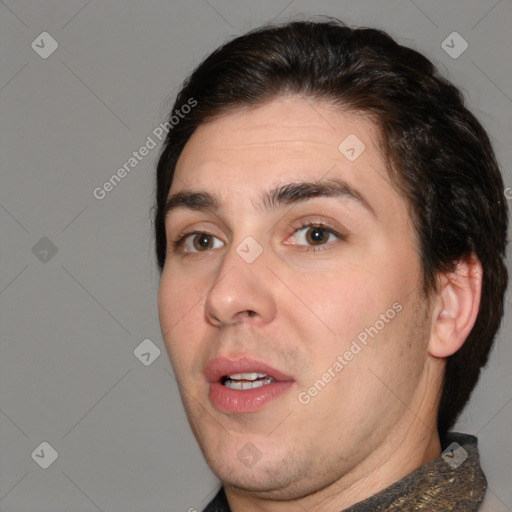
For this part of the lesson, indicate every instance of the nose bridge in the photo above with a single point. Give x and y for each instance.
(241, 289)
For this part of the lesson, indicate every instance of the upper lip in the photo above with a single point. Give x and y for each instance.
(220, 367)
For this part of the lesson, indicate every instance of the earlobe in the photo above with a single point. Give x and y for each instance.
(457, 306)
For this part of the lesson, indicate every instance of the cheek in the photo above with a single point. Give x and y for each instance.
(338, 303)
(180, 303)
(371, 381)
(356, 304)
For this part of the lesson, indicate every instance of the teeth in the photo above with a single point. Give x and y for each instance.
(246, 376)
(247, 383)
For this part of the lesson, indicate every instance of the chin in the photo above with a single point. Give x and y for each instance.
(252, 483)
(272, 477)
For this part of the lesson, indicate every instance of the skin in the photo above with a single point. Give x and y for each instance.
(297, 307)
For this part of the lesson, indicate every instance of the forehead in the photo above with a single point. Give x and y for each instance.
(288, 139)
(299, 127)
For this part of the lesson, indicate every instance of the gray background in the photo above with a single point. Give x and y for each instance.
(71, 320)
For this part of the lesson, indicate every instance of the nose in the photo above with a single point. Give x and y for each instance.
(241, 292)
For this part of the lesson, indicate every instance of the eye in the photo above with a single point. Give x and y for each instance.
(200, 242)
(315, 235)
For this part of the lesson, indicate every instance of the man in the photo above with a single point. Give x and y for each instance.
(331, 229)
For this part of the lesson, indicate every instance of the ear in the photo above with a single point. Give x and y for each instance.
(456, 307)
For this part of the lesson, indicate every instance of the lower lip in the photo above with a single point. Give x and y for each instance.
(245, 400)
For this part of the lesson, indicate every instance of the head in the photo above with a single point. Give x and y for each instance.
(377, 227)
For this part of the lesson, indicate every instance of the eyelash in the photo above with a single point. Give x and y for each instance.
(178, 243)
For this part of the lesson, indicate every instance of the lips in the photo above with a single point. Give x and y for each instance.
(244, 385)
(223, 367)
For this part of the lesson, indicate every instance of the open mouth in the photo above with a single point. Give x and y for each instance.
(250, 380)
(244, 385)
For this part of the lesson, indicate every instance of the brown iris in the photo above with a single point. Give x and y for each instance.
(317, 235)
(203, 241)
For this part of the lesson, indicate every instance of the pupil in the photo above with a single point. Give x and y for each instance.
(316, 235)
(203, 241)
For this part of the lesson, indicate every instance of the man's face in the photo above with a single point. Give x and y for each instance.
(297, 264)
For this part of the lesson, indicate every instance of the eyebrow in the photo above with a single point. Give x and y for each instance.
(281, 195)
